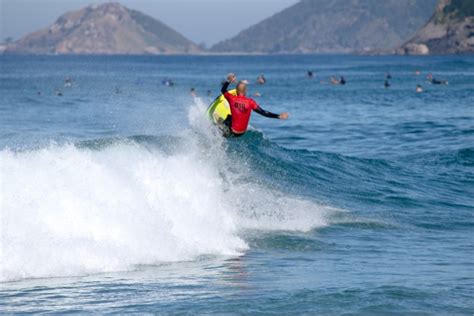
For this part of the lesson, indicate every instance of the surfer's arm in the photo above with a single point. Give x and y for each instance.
(225, 86)
(259, 110)
(262, 112)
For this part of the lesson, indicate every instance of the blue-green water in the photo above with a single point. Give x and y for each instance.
(119, 197)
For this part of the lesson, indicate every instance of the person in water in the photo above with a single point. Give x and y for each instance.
(261, 80)
(241, 108)
(67, 82)
(341, 81)
(432, 80)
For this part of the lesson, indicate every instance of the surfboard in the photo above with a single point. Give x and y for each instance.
(219, 108)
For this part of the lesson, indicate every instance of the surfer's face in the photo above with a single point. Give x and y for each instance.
(242, 89)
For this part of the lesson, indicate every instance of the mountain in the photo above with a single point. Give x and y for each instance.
(109, 28)
(449, 31)
(334, 26)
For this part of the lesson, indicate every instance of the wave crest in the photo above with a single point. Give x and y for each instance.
(110, 205)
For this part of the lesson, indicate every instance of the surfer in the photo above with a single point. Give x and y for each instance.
(261, 80)
(241, 108)
(341, 81)
(432, 80)
(67, 82)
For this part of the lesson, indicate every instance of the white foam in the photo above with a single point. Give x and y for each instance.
(73, 211)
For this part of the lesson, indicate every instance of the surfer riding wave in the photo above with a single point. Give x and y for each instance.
(241, 108)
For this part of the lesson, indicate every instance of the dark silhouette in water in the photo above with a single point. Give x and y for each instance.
(167, 82)
(432, 80)
(341, 81)
(67, 82)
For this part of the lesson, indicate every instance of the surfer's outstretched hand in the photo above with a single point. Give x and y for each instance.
(283, 116)
(231, 77)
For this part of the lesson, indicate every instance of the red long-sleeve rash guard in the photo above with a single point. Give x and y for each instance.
(241, 107)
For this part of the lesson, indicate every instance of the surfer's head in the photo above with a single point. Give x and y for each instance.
(242, 87)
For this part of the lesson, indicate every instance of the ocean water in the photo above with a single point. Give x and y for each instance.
(119, 197)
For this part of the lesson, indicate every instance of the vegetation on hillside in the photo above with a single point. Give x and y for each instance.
(461, 8)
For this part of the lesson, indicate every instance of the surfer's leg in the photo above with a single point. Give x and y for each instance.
(228, 121)
(227, 124)
(224, 126)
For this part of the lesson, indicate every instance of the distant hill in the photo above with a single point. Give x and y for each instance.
(109, 28)
(334, 26)
(449, 31)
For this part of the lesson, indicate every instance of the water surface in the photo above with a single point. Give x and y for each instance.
(119, 197)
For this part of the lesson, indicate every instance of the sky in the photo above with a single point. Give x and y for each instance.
(202, 21)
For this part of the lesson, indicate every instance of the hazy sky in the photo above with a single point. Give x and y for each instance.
(206, 21)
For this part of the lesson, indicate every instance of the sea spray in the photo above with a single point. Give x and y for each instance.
(76, 209)
(69, 211)
(256, 206)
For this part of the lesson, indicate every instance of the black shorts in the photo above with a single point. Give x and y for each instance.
(226, 128)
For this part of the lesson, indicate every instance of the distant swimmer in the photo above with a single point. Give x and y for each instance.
(387, 84)
(388, 76)
(335, 81)
(67, 82)
(167, 82)
(432, 80)
(193, 92)
(419, 89)
(241, 108)
(435, 81)
(261, 80)
(310, 74)
(38, 93)
(58, 93)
